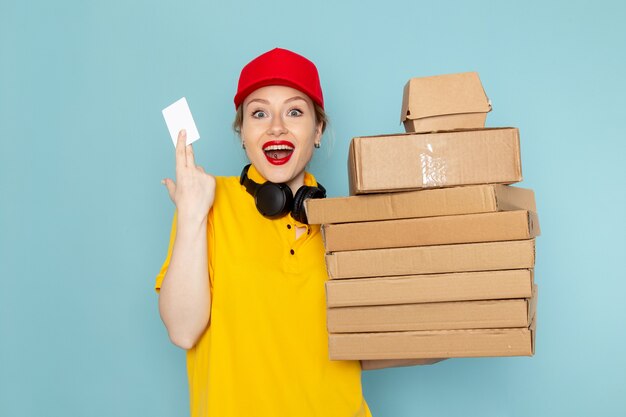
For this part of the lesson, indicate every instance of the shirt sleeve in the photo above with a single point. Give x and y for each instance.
(210, 243)
(166, 263)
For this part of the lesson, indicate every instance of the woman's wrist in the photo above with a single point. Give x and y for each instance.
(190, 223)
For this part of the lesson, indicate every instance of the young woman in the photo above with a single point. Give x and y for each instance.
(242, 287)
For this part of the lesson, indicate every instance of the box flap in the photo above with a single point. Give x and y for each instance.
(533, 224)
(532, 314)
(514, 198)
(532, 305)
(444, 95)
(353, 169)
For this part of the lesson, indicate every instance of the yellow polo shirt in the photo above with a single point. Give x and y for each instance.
(265, 350)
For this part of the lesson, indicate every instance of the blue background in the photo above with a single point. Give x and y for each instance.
(84, 219)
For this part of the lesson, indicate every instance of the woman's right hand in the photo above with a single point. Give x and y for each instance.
(194, 190)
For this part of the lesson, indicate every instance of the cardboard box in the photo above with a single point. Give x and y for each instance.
(418, 160)
(416, 345)
(485, 314)
(466, 228)
(437, 343)
(444, 102)
(425, 203)
(491, 256)
(432, 288)
(432, 344)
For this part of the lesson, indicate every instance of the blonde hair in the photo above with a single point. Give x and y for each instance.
(320, 116)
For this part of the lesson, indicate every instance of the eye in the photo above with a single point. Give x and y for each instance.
(294, 113)
(259, 114)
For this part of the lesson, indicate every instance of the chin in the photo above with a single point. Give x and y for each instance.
(279, 177)
(280, 174)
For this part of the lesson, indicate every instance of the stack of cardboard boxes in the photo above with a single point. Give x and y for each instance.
(432, 256)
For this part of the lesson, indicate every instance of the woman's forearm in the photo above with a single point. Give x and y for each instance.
(185, 295)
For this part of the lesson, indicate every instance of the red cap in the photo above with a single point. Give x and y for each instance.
(280, 67)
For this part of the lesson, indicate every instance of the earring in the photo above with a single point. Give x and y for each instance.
(243, 145)
(317, 145)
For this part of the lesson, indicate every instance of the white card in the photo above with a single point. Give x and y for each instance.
(178, 116)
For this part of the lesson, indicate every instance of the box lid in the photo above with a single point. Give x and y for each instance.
(444, 95)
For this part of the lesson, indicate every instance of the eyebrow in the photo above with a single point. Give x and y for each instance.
(294, 98)
(258, 99)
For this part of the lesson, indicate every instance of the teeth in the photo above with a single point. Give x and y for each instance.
(278, 148)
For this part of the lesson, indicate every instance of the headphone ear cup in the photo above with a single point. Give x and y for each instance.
(273, 200)
(303, 194)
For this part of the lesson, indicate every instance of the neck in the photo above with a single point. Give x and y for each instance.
(296, 183)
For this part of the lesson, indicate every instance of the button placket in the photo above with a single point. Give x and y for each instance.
(291, 230)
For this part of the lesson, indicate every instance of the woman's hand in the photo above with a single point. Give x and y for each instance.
(194, 190)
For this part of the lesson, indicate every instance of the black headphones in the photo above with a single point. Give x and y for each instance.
(276, 200)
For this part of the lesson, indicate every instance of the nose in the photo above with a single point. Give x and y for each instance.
(277, 127)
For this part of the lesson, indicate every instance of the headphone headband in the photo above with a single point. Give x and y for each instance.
(251, 186)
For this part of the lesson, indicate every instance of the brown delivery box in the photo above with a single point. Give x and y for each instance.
(466, 257)
(444, 102)
(424, 203)
(434, 160)
(484, 314)
(430, 288)
(443, 230)
(517, 341)
(431, 344)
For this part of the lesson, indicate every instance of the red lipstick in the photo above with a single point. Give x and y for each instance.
(278, 152)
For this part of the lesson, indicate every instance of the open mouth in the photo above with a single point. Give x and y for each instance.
(278, 152)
